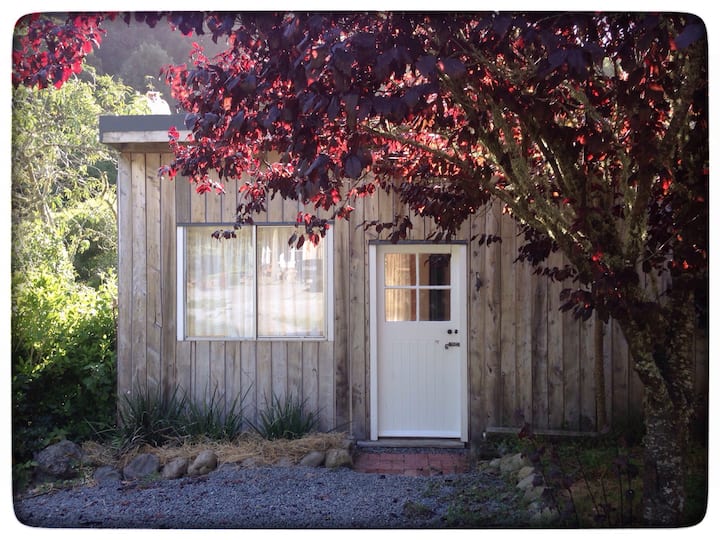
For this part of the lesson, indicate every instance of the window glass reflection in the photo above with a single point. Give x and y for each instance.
(400, 269)
(400, 305)
(434, 269)
(434, 304)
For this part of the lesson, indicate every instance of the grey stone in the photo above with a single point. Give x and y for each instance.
(495, 463)
(526, 481)
(347, 444)
(228, 466)
(205, 462)
(337, 457)
(284, 461)
(251, 462)
(313, 459)
(535, 507)
(512, 462)
(545, 516)
(525, 471)
(61, 460)
(141, 466)
(107, 475)
(533, 493)
(177, 468)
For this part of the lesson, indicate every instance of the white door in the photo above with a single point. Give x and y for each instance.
(418, 341)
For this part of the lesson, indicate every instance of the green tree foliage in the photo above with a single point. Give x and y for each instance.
(56, 155)
(90, 231)
(151, 55)
(63, 263)
(135, 54)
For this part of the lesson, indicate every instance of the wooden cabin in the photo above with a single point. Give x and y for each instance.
(417, 340)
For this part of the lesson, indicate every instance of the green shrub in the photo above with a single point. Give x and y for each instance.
(285, 419)
(63, 364)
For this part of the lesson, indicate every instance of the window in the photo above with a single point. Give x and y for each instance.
(254, 286)
(417, 287)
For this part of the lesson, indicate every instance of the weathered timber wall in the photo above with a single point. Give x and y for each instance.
(527, 360)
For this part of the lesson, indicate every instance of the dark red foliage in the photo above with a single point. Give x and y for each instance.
(590, 129)
(46, 52)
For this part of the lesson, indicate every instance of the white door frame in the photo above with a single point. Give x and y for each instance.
(460, 256)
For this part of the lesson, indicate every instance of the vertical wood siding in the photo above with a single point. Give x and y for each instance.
(149, 354)
(527, 360)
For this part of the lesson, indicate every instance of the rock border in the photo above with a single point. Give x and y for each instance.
(516, 468)
(65, 461)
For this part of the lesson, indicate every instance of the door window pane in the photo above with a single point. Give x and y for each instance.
(218, 284)
(400, 269)
(434, 269)
(291, 297)
(417, 286)
(434, 304)
(400, 305)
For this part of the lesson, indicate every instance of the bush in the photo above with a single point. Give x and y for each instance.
(63, 364)
(286, 419)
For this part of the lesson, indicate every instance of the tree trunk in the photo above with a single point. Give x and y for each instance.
(600, 402)
(662, 356)
(665, 445)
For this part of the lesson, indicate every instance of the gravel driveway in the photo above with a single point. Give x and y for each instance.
(280, 497)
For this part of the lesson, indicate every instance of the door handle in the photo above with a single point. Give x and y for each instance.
(452, 344)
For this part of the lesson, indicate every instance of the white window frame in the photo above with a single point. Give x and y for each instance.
(328, 287)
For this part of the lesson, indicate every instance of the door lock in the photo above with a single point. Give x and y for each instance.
(452, 344)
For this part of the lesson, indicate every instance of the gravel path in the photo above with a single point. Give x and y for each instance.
(277, 497)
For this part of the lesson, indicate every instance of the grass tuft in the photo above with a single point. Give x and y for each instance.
(150, 418)
(210, 420)
(285, 418)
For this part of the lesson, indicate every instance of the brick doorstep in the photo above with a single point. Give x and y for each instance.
(411, 464)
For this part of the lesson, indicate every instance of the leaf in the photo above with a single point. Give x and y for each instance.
(333, 108)
(364, 42)
(690, 35)
(452, 67)
(190, 120)
(426, 65)
(501, 25)
(577, 61)
(353, 166)
(342, 61)
(351, 101)
(557, 58)
(236, 124)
